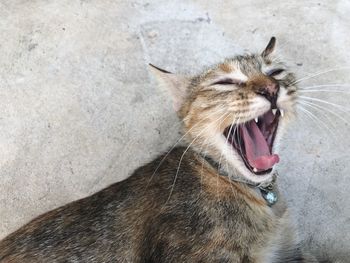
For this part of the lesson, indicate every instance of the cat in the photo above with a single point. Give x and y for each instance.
(213, 200)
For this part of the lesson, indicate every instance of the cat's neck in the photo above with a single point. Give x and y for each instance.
(232, 174)
(266, 189)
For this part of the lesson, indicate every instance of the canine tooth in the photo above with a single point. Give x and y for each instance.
(255, 170)
(274, 111)
(256, 119)
(282, 112)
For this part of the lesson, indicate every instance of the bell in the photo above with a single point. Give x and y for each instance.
(269, 196)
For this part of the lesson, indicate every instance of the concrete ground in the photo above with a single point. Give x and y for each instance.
(79, 109)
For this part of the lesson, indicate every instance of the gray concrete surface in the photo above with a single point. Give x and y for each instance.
(79, 109)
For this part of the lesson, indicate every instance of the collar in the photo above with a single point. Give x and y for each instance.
(267, 189)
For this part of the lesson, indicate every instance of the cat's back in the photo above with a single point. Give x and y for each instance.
(111, 221)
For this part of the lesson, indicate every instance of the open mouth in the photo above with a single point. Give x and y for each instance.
(253, 140)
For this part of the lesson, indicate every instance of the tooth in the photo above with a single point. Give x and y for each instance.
(274, 111)
(282, 112)
(255, 170)
(256, 119)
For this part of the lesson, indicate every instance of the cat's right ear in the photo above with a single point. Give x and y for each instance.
(175, 84)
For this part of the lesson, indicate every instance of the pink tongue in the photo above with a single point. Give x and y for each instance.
(257, 150)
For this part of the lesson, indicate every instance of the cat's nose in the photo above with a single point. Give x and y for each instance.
(270, 91)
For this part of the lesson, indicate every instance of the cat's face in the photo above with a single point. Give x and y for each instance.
(235, 112)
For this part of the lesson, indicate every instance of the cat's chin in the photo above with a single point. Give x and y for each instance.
(247, 175)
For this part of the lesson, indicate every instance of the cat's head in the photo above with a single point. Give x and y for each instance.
(235, 111)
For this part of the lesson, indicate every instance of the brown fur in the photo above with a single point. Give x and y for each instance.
(225, 67)
(223, 187)
(179, 207)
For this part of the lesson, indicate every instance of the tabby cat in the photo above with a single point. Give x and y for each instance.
(213, 200)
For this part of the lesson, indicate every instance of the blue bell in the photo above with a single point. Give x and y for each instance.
(269, 196)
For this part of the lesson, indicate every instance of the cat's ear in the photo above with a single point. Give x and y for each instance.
(270, 47)
(175, 84)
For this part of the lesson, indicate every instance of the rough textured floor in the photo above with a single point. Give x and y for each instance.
(79, 109)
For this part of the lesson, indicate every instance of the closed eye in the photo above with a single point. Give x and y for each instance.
(275, 72)
(228, 81)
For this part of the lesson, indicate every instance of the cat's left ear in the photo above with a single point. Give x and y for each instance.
(270, 47)
(175, 84)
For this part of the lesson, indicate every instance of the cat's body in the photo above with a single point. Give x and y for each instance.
(196, 204)
(207, 218)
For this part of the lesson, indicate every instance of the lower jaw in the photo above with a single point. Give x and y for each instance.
(238, 170)
(262, 172)
(247, 173)
(253, 177)
(258, 173)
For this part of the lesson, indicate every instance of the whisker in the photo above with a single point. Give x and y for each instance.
(325, 86)
(226, 141)
(203, 159)
(324, 109)
(324, 90)
(335, 134)
(181, 158)
(240, 146)
(176, 143)
(317, 74)
(227, 168)
(218, 176)
(317, 120)
(326, 102)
